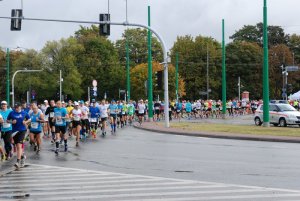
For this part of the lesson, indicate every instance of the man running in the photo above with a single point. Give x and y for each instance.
(131, 111)
(19, 120)
(103, 115)
(113, 112)
(6, 130)
(141, 110)
(60, 116)
(94, 113)
(50, 113)
(76, 123)
(37, 118)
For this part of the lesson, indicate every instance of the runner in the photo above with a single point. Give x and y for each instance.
(103, 115)
(6, 130)
(131, 111)
(94, 114)
(113, 112)
(141, 110)
(19, 120)
(76, 123)
(37, 118)
(46, 129)
(83, 106)
(68, 121)
(3, 155)
(50, 113)
(188, 108)
(60, 116)
(157, 110)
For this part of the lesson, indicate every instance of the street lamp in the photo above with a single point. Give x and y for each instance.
(13, 81)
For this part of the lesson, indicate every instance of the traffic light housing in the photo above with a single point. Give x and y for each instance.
(159, 79)
(104, 29)
(15, 24)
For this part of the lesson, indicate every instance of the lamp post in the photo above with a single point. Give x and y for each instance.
(266, 115)
(7, 76)
(13, 82)
(150, 87)
(223, 71)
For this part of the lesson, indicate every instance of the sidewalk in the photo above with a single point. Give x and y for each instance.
(154, 127)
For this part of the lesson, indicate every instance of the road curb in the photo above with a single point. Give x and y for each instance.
(222, 135)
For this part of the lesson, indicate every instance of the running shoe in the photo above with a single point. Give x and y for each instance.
(22, 161)
(17, 165)
(66, 148)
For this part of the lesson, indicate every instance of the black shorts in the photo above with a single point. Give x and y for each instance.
(103, 119)
(51, 123)
(19, 137)
(114, 116)
(60, 129)
(178, 111)
(75, 124)
(85, 122)
(157, 111)
(35, 132)
(141, 114)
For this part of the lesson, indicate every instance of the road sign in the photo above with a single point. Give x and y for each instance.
(291, 68)
(202, 92)
(283, 90)
(284, 94)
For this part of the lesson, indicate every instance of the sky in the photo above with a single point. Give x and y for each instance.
(170, 18)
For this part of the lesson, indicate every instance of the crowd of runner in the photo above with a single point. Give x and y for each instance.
(60, 121)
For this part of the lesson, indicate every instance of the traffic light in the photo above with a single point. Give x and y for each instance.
(159, 79)
(15, 24)
(104, 29)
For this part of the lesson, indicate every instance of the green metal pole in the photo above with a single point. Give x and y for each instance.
(7, 77)
(150, 88)
(223, 70)
(266, 116)
(127, 71)
(176, 77)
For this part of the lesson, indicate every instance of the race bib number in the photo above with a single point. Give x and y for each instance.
(34, 125)
(123, 112)
(6, 125)
(178, 110)
(93, 120)
(51, 114)
(157, 108)
(76, 118)
(59, 121)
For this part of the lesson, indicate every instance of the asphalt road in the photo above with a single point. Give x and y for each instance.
(229, 162)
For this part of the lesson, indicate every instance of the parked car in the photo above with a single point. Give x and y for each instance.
(280, 114)
(279, 101)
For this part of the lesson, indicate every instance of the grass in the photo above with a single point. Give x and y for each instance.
(238, 129)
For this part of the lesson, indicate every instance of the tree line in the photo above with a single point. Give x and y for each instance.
(86, 56)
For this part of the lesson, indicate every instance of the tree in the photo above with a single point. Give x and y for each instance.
(244, 60)
(279, 55)
(99, 60)
(254, 34)
(139, 75)
(193, 65)
(138, 47)
(294, 45)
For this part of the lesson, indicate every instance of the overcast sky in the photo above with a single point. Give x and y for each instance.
(171, 18)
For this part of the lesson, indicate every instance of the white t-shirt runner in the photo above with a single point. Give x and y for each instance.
(141, 108)
(76, 114)
(85, 110)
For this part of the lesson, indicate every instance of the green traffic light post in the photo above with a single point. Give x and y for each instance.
(127, 71)
(223, 71)
(266, 116)
(150, 85)
(176, 77)
(7, 76)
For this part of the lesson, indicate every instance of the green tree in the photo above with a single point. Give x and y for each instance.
(250, 33)
(193, 64)
(244, 60)
(139, 75)
(138, 47)
(99, 60)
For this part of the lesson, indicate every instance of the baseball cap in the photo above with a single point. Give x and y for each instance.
(93, 101)
(81, 102)
(45, 101)
(17, 105)
(76, 103)
(3, 103)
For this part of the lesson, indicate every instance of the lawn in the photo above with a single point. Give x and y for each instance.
(238, 129)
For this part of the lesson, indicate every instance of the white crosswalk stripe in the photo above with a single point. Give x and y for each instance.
(41, 182)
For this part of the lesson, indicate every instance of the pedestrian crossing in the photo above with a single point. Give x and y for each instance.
(41, 182)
